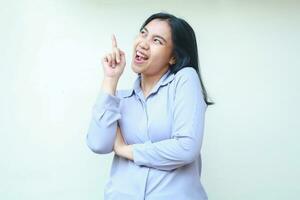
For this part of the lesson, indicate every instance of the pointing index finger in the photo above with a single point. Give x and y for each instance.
(114, 41)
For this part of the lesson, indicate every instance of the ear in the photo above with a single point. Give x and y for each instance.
(172, 60)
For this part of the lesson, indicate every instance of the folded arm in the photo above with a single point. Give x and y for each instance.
(188, 122)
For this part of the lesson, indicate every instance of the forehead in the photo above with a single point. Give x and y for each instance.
(159, 27)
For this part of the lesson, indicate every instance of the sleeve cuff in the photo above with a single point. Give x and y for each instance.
(107, 101)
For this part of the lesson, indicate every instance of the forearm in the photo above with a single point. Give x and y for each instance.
(103, 125)
(167, 154)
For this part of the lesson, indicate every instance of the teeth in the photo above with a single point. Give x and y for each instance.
(140, 54)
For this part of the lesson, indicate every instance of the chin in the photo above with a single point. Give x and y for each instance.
(136, 69)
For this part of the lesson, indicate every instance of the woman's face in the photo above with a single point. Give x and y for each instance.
(152, 51)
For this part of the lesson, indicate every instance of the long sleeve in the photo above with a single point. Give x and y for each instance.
(102, 129)
(188, 126)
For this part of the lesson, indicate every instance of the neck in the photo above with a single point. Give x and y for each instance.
(149, 81)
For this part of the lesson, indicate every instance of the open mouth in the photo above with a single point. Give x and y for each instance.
(140, 57)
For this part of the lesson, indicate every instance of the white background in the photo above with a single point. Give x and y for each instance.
(50, 75)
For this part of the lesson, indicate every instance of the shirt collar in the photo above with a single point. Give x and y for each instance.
(164, 80)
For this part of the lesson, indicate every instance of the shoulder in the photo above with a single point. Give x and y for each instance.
(186, 75)
(188, 86)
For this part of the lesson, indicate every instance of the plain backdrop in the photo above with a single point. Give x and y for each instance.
(50, 75)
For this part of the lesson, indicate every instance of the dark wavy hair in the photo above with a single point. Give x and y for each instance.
(184, 45)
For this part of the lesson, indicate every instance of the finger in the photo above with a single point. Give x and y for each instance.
(122, 55)
(113, 58)
(114, 41)
(109, 59)
(118, 55)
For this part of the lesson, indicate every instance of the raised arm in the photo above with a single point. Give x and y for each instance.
(105, 113)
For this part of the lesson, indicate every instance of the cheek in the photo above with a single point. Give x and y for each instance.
(161, 55)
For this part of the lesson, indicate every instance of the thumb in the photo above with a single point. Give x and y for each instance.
(122, 53)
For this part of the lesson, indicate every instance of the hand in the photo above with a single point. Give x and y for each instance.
(119, 142)
(114, 62)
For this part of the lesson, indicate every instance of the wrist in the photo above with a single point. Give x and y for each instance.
(109, 85)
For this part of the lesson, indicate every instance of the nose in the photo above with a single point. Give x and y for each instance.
(144, 44)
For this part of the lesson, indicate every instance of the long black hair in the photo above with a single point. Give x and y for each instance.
(184, 45)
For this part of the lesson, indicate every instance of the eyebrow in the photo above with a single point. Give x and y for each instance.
(156, 35)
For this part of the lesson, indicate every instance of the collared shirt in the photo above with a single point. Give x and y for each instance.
(165, 130)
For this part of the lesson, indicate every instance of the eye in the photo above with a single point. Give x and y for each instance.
(142, 32)
(157, 41)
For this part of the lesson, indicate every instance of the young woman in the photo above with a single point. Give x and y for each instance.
(156, 128)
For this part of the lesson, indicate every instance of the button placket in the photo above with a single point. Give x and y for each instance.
(147, 118)
(144, 105)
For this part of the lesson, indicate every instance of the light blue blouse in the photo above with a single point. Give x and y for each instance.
(166, 131)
